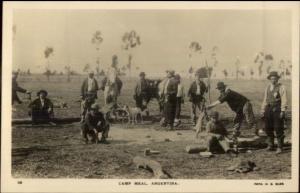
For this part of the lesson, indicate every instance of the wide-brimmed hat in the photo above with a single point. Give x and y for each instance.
(172, 72)
(220, 85)
(142, 74)
(94, 106)
(42, 91)
(273, 73)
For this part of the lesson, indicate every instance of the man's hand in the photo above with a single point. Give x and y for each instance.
(262, 114)
(208, 107)
(282, 115)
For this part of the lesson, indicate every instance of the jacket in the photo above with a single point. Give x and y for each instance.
(84, 88)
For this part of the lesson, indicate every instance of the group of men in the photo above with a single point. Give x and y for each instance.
(171, 95)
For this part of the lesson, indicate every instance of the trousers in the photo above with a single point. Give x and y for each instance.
(274, 124)
(246, 114)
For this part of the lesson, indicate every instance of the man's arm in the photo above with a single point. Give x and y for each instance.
(213, 104)
(83, 88)
(283, 95)
(264, 103)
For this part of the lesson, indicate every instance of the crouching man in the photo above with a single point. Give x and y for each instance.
(216, 134)
(41, 109)
(93, 124)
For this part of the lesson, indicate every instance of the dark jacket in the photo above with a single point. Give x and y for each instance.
(193, 89)
(84, 88)
(172, 88)
(142, 86)
(16, 88)
(37, 105)
(118, 81)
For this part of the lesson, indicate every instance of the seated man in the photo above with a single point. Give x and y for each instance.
(216, 134)
(41, 109)
(93, 124)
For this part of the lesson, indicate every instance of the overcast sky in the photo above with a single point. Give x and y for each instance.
(165, 37)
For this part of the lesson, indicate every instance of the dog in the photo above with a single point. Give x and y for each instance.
(133, 113)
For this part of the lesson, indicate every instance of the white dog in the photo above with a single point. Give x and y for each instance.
(133, 113)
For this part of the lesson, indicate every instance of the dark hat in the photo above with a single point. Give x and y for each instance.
(172, 72)
(273, 73)
(142, 74)
(213, 114)
(42, 91)
(220, 85)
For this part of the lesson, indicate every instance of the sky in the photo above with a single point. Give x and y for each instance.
(165, 37)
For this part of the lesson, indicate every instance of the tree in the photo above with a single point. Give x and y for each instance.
(68, 72)
(237, 67)
(225, 73)
(47, 53)
(130, 41)
(96, 41)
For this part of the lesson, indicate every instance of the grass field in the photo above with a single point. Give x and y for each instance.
(59, 152)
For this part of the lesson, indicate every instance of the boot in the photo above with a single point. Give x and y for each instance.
(270, 142)
(280, 142)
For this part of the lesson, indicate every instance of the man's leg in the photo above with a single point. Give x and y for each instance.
(249, 116)
(178, 111)
(105, 131)
(193, 112)
(84, 132)
(237, 124)
(279, 130)
(269, 127)
(82, 110)
(225, 145)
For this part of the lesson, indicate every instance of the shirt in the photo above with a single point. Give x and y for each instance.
(90, 84)
(235, 100)
(111, 75)
(283, 96)
(180, 92)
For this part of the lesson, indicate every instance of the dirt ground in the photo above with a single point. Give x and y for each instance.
(59, 152)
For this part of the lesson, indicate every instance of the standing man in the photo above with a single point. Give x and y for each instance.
(179, 100)
(169, 93)
(273, 110)
(16, 88)
(140, 91)
(239, 104)
(196, 94)
(112, 84)
(89, 90)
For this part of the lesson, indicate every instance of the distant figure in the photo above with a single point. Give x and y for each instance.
(16, 88)
(169, 95)
(141, 92)
(41, 109)
(239, 104)
(112, 84)
(95, 123)
(273, 109)
(196, 94)
(89, 90)
(179, 100)
(216, 134)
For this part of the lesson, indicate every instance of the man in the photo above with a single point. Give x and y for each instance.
(179, 100)
(273, 109)
(216, 134)
(169, 93)
(41, 109)
(89, 90)
(112, 84)
(94, 124)
(140, 91)
(16, 88)
(239, 104)
(196, 96)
